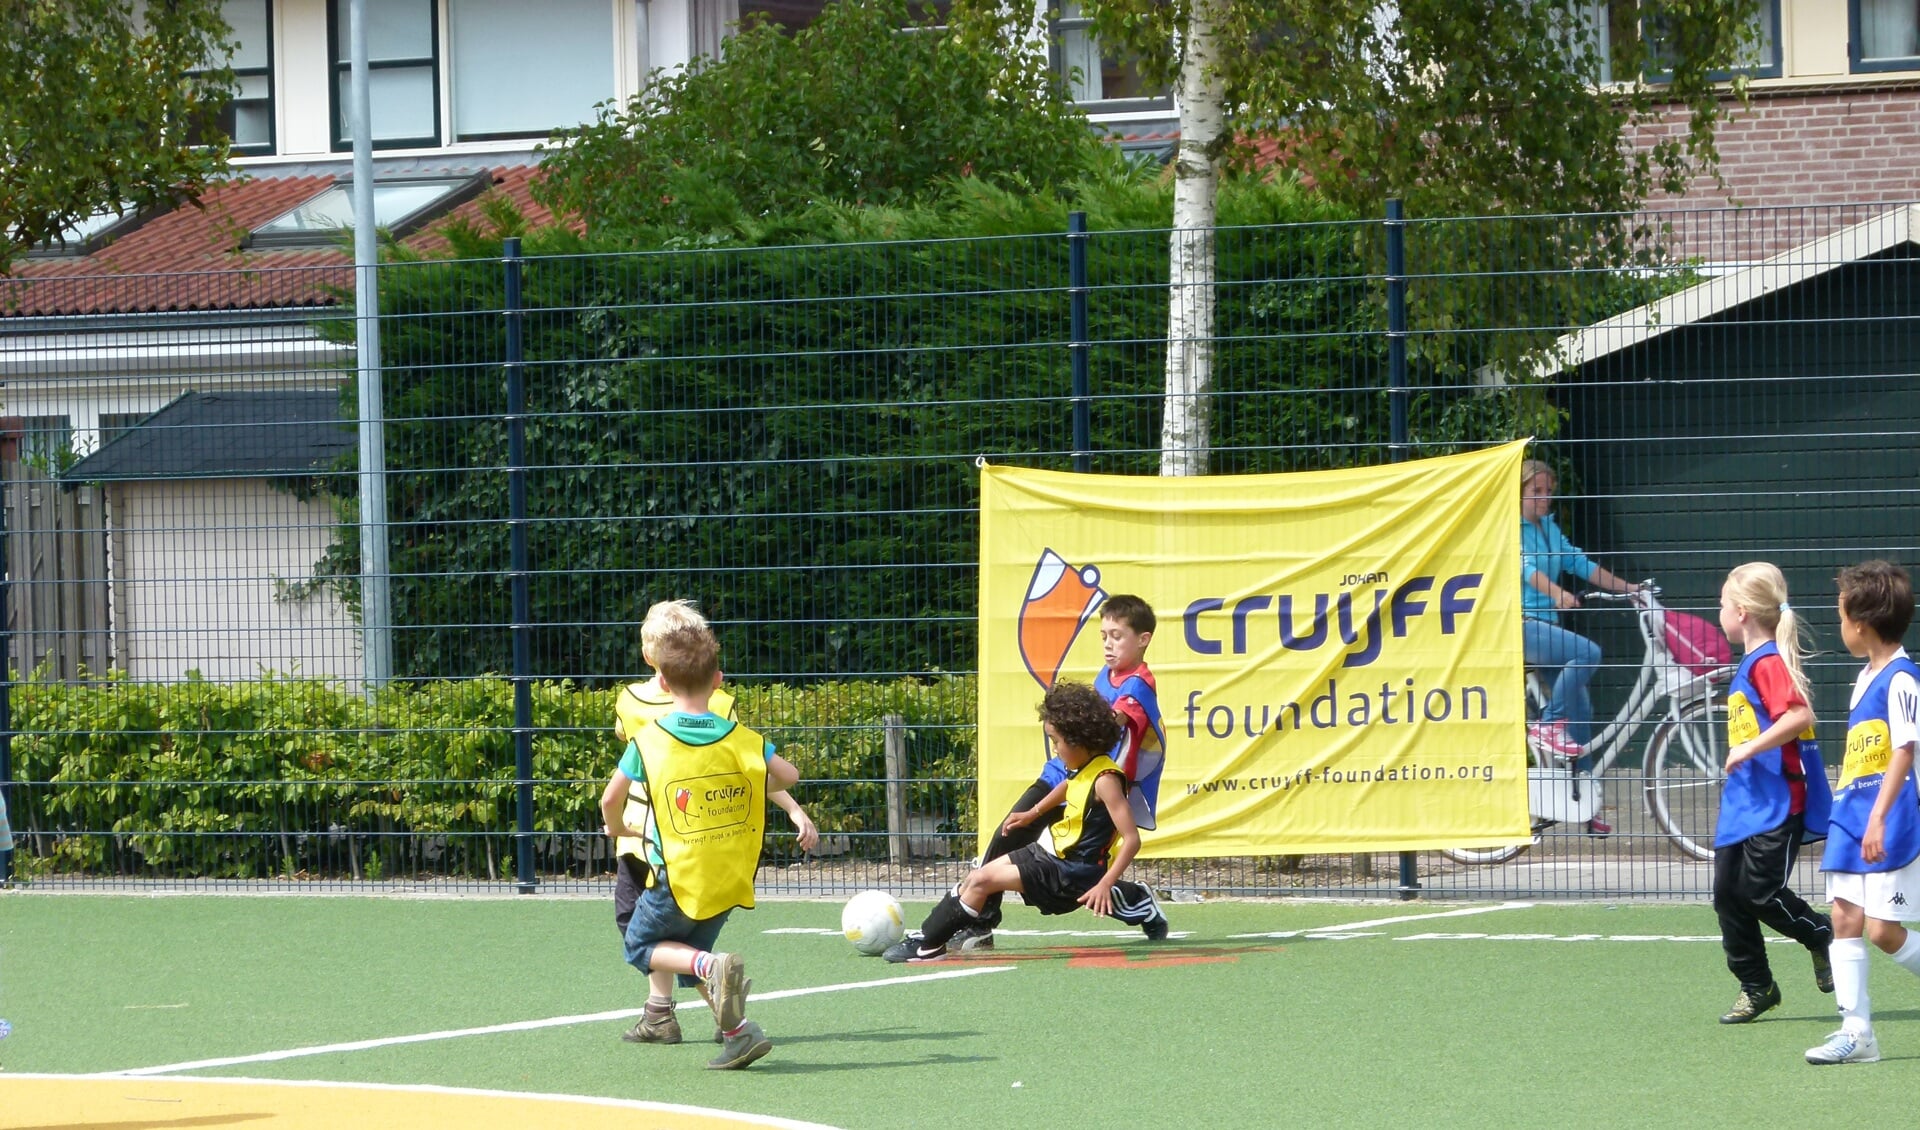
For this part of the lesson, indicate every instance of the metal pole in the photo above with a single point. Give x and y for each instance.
(1397, 407)
(376, 617)
(1397, 329)
(6, 674)
(1078, 348)
(522, 627)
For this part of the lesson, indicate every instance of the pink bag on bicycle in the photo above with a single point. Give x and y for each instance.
(1697, 644)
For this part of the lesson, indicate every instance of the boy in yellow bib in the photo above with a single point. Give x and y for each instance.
(703, 780)
(641, 703)
(1094, 836)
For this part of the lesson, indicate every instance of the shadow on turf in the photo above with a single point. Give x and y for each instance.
(873, 1036)
(774, 1065)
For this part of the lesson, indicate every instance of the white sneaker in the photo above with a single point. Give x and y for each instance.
(1846, 1047)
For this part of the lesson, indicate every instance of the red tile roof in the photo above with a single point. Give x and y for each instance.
(191, 258)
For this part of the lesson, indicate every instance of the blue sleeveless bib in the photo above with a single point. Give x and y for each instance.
(1758, 796)
(1869, 748)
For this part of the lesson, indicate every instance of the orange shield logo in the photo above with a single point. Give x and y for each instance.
(1060, 600)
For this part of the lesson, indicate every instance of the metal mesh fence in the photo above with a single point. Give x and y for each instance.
(788, 436)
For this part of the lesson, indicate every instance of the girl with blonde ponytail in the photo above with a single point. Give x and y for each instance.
(1776, 795)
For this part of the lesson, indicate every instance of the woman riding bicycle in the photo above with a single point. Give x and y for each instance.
(1545, 556)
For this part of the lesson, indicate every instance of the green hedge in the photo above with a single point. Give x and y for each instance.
(253, 779)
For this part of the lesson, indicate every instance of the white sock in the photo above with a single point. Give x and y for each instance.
(1849, 957)
(1908, 956)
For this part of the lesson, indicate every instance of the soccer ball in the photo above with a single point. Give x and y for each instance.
(872, 921)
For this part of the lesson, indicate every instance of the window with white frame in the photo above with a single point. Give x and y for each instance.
(1093, 74)
(403, 72)
(525, 70)
(1885, 35)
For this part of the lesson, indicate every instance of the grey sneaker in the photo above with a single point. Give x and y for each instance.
(1822, 971)
(742, 1048)
(1749, 1005)
(971, 938)
(652, 1028)
(1846, 1047)
(726, 985)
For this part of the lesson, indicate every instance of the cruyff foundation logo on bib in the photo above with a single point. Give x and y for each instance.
(1060, 600)
(703, 805)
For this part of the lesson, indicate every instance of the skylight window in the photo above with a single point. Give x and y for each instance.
(91, 234)
(400, 207)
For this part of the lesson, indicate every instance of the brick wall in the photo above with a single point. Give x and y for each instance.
(1791, 150)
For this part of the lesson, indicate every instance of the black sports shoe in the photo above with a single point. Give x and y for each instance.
(908, 949)
(1749, 1005)
(1822, 971)
(970, 938)
(1156, 928)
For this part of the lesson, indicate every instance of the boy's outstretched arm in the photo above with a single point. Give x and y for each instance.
(1048, 803)
(1113, 793)
(803, 826)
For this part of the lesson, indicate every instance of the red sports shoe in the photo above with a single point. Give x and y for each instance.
(1599, 828)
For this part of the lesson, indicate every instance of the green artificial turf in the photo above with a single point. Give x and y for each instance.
(1583, 1013)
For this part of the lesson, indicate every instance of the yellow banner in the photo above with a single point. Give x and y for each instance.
(1338, 653)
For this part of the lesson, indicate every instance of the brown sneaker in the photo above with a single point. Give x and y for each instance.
(719, 1037)
(653, 1028)
(726, 990)
(1749, 1005)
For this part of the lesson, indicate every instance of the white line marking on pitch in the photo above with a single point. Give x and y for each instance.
(531, 1025)
(1349, 926)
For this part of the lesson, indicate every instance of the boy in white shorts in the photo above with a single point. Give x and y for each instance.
(1872, 858)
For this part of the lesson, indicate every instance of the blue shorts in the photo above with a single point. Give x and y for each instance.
(656, 919)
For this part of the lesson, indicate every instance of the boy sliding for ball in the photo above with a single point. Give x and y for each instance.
(1127, 686)
(1094, 837)
(705, 781)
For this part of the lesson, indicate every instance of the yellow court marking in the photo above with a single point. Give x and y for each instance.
(67, 1102)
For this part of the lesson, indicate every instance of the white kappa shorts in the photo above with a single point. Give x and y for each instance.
(1890, 896)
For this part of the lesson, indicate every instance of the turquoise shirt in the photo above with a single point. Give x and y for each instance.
(1544, 549)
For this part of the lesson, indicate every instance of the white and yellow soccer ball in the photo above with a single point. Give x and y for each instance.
(872, 921)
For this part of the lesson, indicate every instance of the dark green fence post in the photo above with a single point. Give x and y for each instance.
(1397, 408)
(517, 564)
(1078, 346)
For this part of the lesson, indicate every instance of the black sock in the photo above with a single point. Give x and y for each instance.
(943, 922)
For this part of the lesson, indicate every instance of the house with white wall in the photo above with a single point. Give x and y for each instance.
(131, 313)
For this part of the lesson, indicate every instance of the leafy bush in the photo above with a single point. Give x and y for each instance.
(283, 776)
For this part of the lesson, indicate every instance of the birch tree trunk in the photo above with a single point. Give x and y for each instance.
(1186, 417)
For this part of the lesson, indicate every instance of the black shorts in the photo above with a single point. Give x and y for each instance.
(1050, 884)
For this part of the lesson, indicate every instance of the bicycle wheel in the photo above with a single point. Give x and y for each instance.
(1685, 760)
(1480, 857)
